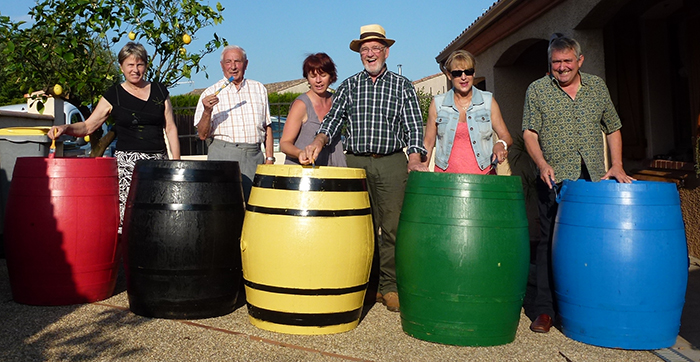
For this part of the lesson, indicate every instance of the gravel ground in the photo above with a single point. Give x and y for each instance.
(108, 331)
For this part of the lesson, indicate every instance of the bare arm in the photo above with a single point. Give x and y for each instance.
(501, 130)
(204, 125)
(430, 132)
(81, 129)
(616, 170)
(171, 130)
(269, 145)
(296, 117)
(532, 144)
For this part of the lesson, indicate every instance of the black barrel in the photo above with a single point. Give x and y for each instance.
(181, 231)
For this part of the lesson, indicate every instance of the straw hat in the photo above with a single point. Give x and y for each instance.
(370, 32)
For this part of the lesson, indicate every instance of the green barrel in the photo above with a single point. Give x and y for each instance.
(462, 258)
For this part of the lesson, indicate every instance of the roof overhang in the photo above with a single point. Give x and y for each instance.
(504, 18)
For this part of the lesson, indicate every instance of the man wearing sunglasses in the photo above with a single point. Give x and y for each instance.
(563, 116)
(382, 114)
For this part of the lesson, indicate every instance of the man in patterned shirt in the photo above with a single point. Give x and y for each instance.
(563, 116)
(382, 114)
(234, 115)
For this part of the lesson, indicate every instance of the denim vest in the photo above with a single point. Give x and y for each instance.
(478, 121)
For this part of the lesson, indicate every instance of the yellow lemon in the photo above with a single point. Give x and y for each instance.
(183, 51)
(57, 89)
(186, 39)
(132, 35)
(87, 138)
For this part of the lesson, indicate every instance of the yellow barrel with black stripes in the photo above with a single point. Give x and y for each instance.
(306, 248)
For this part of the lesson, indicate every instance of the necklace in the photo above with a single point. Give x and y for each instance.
(464, 106)
(467, 100)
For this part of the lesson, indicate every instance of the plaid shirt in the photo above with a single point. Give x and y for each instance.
(382, 117)
(241, 114)
(570, 129)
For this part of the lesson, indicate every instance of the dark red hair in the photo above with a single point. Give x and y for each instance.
(320, 62)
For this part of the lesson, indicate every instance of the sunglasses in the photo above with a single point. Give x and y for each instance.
(458, 73)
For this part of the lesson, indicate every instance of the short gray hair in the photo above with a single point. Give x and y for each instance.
(233, 47)
(563, 43)
(133, 49)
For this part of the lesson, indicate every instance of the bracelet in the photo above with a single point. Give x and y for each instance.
(505, 145)
(273, 159)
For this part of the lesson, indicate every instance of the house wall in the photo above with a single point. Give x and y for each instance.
(299, 88)
(509, 80)
(433, 86)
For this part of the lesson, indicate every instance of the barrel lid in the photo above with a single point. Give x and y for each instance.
(25, 131)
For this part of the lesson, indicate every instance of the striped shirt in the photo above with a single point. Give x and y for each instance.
(382, 117)
(241, 114)
(569, 130)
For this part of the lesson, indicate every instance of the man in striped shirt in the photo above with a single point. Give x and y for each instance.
(381, 111)
(234, 115)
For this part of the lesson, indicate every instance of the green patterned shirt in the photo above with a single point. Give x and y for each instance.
(570, 130)
(382, 117)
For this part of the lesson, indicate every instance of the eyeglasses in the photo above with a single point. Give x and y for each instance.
(374, 49)
(458, 73)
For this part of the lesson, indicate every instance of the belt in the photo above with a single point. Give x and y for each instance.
(373, 155)
(239, 144)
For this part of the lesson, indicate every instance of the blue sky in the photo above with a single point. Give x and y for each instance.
(277, 35)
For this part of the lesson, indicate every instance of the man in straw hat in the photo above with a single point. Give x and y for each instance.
(383, 117)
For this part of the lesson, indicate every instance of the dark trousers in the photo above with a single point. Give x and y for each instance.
(386, 182)
(547, 207)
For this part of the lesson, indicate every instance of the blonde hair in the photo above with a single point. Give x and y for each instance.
(459, 56)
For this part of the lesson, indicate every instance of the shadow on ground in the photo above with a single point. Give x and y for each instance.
(30, 331)
(690, 321)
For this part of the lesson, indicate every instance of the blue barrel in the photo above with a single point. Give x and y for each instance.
(620, 263)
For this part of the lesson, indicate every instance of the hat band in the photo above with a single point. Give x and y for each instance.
(366, 35)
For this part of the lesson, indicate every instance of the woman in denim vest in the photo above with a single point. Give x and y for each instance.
(461, 123)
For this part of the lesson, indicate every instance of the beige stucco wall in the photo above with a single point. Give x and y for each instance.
(299, 88)
(433, 86)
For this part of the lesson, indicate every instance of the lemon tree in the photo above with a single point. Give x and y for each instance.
(69, 43)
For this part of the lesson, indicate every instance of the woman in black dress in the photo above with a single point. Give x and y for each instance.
(141, 110)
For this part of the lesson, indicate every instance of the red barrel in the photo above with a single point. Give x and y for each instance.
(61, 226)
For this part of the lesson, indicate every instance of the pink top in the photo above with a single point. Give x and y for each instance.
(462, 158)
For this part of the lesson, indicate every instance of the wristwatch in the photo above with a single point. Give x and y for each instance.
(273, 159)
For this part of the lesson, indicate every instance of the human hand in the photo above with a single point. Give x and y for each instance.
(56, 131)
(314, 148)
(210, 101)
(303, 158)
(547, 175)
(415, 164)
(617, 172)
(500, 151)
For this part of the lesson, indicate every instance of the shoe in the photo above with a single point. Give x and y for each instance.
(541, 324)
(380, 298)
(391, 301)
